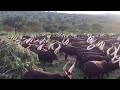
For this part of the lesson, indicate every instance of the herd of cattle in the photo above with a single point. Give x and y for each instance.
(96, 54)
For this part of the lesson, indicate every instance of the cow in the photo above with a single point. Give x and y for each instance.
(35, 74)
(99, 68)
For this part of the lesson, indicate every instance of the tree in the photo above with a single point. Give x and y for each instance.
(15, 22)
(84, 27)
(62, 28)
(51, 28)
(97, 27)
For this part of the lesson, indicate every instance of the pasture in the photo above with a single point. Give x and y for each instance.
(15, 60)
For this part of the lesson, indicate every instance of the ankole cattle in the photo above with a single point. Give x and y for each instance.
(99, 68)
(35, 74)
(87, 58)
(45, 55)
(96, 54)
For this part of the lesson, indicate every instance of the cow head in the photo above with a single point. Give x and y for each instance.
(68, 72)
(61, 45)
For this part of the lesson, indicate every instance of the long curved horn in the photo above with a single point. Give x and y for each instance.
(40, 47)
(113, 58)
(108, 51)
(102, 45)
(32, 39)
(63, 41)
(90, 47)
(47, 40)
(118, 59)
(28, 40)
(64, 68)
(57, 49)
(98, 44)
(116, 50)
(71, 68)
(51, 46)
(40, 42)
(88, 39)
(119, 63)
(29, 46)
(92, 41)
(67, 41)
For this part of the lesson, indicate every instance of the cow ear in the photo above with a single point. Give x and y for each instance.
(66, 71)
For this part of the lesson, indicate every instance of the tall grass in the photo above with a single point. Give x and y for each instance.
(14, 60)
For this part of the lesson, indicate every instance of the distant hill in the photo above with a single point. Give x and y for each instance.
(72, 22)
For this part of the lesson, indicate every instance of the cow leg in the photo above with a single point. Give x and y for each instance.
(66, 55)
(43, 65)
(107, 74)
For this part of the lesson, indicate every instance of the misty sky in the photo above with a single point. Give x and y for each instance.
(89, 12)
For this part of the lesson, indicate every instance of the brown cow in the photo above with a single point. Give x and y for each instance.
(35, 74)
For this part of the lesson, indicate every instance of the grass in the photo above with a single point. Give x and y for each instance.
(15, 60)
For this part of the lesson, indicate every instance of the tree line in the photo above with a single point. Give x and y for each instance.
(39, 21)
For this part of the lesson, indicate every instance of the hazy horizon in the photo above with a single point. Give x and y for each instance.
(88, 12)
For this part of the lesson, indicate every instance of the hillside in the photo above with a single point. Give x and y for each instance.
(39, 21)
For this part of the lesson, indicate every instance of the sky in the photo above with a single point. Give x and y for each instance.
(89, 12)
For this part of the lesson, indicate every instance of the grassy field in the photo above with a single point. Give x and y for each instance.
(15, 60)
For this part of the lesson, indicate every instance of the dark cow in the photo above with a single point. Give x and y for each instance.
(46, 56)
(35, 74)
(99, 68)
(82, 60)
(68, 50)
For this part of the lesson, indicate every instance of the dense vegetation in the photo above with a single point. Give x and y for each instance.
(39, 21)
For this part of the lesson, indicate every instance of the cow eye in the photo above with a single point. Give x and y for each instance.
(68, 73)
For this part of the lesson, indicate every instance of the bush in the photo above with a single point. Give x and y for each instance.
(14, 60)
